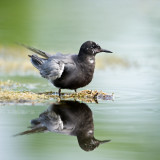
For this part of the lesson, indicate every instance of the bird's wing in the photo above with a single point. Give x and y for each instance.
(69, 63)
(52, 69)
(40, 52)
(56, 65)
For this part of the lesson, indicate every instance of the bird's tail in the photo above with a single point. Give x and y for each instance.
(36, 61)
(40, 52)
(33, 130)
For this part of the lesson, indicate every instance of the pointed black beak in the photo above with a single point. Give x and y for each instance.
(104, 141)
(104, 50)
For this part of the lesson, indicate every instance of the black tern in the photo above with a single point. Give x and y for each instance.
(68, 71)
(69, 118)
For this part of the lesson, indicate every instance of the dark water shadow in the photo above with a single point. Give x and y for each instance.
(69, 118)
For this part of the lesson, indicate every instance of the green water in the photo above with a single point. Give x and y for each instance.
(128, 28)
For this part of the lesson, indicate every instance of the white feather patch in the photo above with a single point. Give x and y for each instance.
(91, 61)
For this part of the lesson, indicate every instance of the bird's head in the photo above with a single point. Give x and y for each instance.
(90, 143)
(91, 48)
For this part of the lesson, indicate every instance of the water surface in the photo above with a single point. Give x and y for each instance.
(131, 121)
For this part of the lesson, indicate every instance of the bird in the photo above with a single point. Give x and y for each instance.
(69, 118)
(67, 71)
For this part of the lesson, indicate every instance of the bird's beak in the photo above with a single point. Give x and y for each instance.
(104, 141)
(104, 50)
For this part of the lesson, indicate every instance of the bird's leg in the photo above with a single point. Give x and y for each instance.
(59, 92)
(75, 94)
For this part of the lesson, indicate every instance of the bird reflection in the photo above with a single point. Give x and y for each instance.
(70, 118)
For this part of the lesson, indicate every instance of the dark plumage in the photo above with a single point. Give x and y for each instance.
(68, 71)
(69, 118)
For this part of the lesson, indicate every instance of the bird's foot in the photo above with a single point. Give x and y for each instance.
(59, 92)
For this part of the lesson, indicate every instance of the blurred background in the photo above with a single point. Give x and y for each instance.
(131, 29)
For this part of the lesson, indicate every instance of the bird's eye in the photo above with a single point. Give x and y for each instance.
(93, 46)
(98, 46)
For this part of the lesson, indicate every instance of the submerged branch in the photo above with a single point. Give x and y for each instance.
(7, 96)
